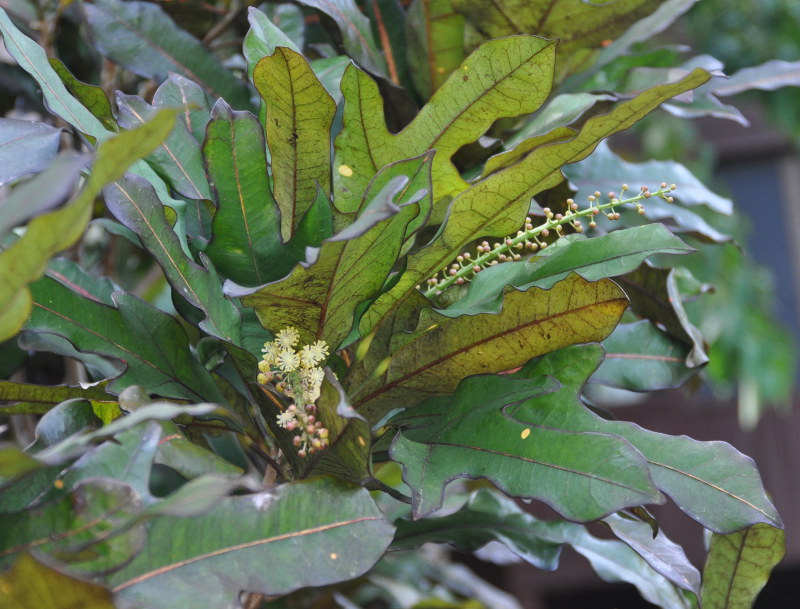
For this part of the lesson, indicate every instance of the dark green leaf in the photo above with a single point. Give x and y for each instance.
(654, 295)
(356, 32)
(640, 357)
(738, 566)
(30, 583)
(711, 481)
(135, 203)
(143, 39)
(335, 532)
(498, 428)
(134, 332)
(25, 147)
(76, 529)
(246, 245)
(70, 417)
(598, 258)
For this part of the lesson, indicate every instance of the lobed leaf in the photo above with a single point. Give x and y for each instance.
(502, 78)
(492, 428)
(496, 206)
(710, 481)
(299, 115)
(246, 245)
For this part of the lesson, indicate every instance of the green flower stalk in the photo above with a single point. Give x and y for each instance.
(296, 374)
(530, 239)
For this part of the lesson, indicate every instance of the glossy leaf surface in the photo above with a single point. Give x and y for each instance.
(25, 147)
(335, 531)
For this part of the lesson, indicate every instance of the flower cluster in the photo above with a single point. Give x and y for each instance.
(296, 374)
(533, 238)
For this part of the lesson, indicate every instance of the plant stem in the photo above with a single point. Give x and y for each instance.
(529, 238)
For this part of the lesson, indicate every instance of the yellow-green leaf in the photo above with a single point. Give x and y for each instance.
(738, 566)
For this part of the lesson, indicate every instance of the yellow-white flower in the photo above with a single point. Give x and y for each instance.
(287, 337)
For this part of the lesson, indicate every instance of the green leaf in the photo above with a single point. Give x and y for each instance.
(311, 533)
(738, 566)
(25, 147)
(246, 244)
(606, 171)
(503, 78)
(263, 38)
(493, 427)
(444, 351)
(320, 300)
(768, 76)
(92, 97)
(133, 332)
(662, 554)
(710, 481)
(135, 203)
(75, 530)
(609, 255)
(356, 33)
(33, 59)
(298, 125)
(581, 26)
(31, 583)
(43, 192)
(70, 417)
(489, 516)
(435, 37)
(50, 233)
(497, 205)
(190, 98)
(654, 295)
(640, 357)
(141, 37)
(177, 159)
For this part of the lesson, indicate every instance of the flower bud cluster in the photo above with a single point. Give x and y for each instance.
(531, 239)
(296, 374)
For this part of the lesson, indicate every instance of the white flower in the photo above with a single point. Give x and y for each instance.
(285, 419)
(287, 337)
(288, 360)
(311, 355)
(270, 352)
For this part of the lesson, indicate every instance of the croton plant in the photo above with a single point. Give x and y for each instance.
(333, 280)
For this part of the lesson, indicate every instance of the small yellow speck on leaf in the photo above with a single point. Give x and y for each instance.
(440, 70)
(362, 441)
(525, 433)
(59, 484)
(345, 171)
(334, 556)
